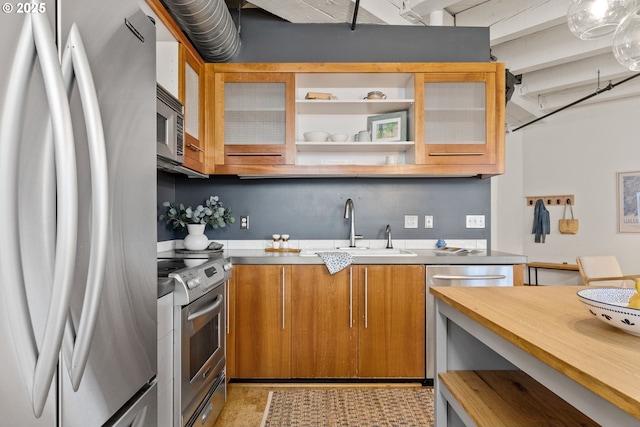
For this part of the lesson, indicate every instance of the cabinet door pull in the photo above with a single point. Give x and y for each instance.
(283, 299)
(350, 297)
(448, 153)
(254, 154)
(366, 297)
(195, 148)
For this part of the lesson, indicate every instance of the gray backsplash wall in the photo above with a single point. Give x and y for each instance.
(313, 208)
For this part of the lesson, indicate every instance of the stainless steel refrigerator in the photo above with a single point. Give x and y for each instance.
(77, 221)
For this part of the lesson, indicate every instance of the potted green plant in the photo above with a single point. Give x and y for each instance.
(212, 213)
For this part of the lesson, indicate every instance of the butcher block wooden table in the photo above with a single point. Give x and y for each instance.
(531, 356)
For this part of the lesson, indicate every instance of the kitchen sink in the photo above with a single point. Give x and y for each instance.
(361, 252)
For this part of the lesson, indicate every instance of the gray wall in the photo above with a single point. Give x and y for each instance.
(313, 208)
(265, 38)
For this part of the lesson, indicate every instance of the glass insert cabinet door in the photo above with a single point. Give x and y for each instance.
(255, 118)
(191, 90)
(458, 118)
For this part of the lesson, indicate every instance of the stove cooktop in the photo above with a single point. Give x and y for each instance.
(190, 274)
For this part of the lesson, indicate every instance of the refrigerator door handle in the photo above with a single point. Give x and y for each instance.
(66, 215)
(75, 60)
(14, 297)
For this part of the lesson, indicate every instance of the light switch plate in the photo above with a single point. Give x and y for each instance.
(428, 221)
(475, 221)
(411, 221)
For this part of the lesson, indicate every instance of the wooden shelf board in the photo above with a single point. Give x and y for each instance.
(352, 106)
(329, 146)
(509, 398)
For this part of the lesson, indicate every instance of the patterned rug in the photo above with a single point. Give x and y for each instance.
(383, 407)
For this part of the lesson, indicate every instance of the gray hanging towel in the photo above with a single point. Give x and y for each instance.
(336, 261)
(541, 221)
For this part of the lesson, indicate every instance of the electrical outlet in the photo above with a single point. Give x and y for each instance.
(244, 222)
(428, 221)
(475, 221)
(411, 221)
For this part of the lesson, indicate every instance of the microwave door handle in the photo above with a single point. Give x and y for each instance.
(75, 60)
(67, 211)
(13, 292)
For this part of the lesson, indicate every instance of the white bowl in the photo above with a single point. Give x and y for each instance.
(315, 136)
(339, 137)
(610, 306)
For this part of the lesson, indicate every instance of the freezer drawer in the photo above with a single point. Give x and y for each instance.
(143, 412)
(458, 275)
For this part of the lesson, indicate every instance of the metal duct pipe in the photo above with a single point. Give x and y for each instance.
(209, 26)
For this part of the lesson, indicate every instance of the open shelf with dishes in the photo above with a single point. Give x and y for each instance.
(347, 110)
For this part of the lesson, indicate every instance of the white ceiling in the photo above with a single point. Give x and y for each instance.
(530, 36)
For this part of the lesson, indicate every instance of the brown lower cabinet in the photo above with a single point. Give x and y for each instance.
(391, 332)
(263, 321)
(325, 322)
(302, 322)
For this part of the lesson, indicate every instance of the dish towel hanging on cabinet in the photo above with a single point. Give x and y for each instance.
(541, 222)
(336, 261)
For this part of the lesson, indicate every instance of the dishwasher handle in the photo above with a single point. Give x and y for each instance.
(468, 277)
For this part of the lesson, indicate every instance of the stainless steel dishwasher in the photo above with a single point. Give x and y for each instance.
(458, 275)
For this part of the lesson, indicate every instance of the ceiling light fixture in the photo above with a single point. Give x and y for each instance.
(626, 41)
(593, 19)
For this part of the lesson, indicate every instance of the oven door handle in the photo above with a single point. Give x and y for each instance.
(208, 309)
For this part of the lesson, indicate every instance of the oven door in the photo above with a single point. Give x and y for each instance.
(202, 345)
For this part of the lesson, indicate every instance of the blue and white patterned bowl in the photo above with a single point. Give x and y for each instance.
(610, 306)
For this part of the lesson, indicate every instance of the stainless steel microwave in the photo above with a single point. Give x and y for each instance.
(169, 127)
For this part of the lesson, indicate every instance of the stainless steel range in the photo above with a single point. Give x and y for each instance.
(197, 282)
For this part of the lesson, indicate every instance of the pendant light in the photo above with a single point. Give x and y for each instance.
(592, 19)
(626, 41)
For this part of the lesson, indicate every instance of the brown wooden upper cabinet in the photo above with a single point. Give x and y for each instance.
(461, 120)
(434, 119)
(254, 118)
(191, 94)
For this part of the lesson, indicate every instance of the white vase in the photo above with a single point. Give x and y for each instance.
(196, 240)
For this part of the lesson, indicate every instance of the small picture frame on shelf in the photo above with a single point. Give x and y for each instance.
(388, 127)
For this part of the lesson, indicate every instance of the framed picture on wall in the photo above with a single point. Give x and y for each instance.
(388, 127)
(629, 202)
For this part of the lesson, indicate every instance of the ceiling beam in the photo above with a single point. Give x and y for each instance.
(386, 11)
(577, 73)
(510, 19)
(554, 101)
(425, 7)
(554, 46)
(318, 11)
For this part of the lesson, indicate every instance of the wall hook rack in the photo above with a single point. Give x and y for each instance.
(556, 200)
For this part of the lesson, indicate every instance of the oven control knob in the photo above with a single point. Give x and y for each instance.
(227, 266)
(192, 283)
